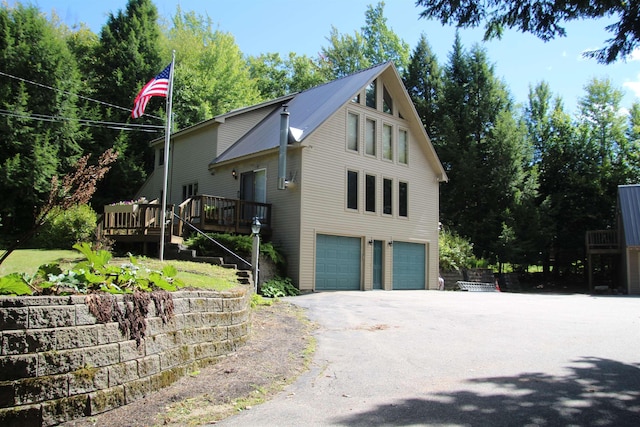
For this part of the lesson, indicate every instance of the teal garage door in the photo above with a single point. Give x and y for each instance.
(408, 265)
(337, 263)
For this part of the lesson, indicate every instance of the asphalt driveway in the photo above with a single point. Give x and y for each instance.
(405, 358)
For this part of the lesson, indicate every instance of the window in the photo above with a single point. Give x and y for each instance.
(387, 102)
(353, 121)
(403, 147)
(161, 157)
(356, 99)
(387, 142)
(370, 137)
(352, 189)
(189, 190)
(370, 193)
(403, 196)
(387, 194)
(370, 95)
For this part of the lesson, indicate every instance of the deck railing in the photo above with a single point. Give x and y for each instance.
(212, 213)
(601, 239)
(134, 219)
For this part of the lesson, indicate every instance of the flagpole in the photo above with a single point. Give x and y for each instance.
(167, 138)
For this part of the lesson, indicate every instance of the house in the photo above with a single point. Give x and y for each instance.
(352, 202)
(616, 251)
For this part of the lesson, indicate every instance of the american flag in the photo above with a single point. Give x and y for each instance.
(158, 86)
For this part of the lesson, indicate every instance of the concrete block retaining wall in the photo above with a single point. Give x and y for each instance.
(58, 363)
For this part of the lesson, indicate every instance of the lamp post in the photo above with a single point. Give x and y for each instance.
(255, 253)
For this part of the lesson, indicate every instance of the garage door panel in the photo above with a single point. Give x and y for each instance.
(408, 265)
(337, 262)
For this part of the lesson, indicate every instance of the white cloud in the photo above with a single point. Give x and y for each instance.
(635, 55)
(634, 86)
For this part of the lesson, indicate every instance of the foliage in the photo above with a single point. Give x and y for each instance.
(92, 274)
(456, 252)
(238, 243)
(278, 287)
(543, 19)
(258, 300)
(211, 75)
(373, 44)
(33, 151)
(63, 228)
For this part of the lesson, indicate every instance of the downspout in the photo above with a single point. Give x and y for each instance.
(284, 140)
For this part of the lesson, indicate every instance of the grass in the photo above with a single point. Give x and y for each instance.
(28, 260)
(193, 274)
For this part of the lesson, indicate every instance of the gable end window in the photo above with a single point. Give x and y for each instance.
(403, 197)
(370, 193)
(387, 102)
(353, 126)
(387, 196)
(352, 190)
(370, 95)
(403, 147)
(370, 137)
(387, 142)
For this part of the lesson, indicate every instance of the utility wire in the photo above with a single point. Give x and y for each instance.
(72, 94)
(93, 123)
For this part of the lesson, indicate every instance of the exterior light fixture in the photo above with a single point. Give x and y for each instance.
(234, 174)
(255, 225)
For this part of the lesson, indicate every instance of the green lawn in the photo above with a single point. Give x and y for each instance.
(193, 274)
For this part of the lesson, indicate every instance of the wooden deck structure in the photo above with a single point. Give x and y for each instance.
(140, 223)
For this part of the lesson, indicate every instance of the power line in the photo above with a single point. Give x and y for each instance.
(72, 94)
(92, 123)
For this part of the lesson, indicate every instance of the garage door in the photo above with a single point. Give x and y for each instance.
(337, 263)
(408, 265)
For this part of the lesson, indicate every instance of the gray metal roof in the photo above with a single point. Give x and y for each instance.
(308, 110)
(629, 205)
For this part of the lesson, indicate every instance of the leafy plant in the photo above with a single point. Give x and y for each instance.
(92, 274)
(64, 227)
(238, 243)
(456, 252)
(279, 287)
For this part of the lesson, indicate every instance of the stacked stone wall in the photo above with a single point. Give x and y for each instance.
(58, 363)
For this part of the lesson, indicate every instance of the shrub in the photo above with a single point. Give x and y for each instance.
(456, 252)
(64, 228)
(238, 243)
(279, 287)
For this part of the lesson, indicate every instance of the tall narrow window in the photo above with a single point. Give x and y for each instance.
(161, 157)
(387, 142)
(353, 121)
(370, 137)
(370, 95)
(352, 189)
(370, 193)
(356, 99)
(403, 197)
(403, 147)
(387, 102)
(387, 196)
(189, 190)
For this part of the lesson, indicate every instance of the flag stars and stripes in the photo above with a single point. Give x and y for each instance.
(158, 86)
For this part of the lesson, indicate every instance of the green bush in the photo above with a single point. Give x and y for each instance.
(456, 252)
(279, 287)
(240, 244)
(64, 228)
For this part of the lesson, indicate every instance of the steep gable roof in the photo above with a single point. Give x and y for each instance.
(308, 110)
(629, 206)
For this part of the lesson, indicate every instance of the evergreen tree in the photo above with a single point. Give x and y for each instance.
(423, 80)
(39, 133)
(127, 56)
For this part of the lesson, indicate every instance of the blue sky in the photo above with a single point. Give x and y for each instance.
(301, 26)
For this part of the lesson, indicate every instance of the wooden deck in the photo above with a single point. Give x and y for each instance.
(140, 223)
(600, 244)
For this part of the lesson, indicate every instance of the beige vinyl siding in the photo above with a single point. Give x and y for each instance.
(633, 271)
(325, 163)
(236, 126)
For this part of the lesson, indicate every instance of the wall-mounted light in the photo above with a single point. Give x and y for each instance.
(234, 174)
(390, 243)
(370, 242)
